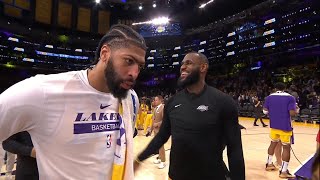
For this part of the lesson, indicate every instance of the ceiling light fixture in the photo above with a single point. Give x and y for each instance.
(97, 1)
(204, 4)
(156, 21)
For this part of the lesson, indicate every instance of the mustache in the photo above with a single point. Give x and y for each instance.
(131, 80)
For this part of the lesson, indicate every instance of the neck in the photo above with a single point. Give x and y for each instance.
(196, 88)
(97, 80)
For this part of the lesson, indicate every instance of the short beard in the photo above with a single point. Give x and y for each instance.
(113, 81)
(191, 79)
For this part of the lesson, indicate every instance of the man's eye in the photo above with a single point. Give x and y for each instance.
(130, 61)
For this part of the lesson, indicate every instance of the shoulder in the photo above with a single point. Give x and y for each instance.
(53, 83)
(133, 93)
(29, 87)
(161, 107)
(219, 96)
(180, 94)
(59, 78)
(172, 101)
(135, 98)
(23, 96)
(282, 95)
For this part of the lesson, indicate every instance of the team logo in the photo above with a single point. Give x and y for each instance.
(108, 140)
(203, 108)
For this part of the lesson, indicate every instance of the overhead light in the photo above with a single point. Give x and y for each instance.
(161, 20)
(156, 21)
(204, 4)
(97, 1)
(140, 7)
(154, 5)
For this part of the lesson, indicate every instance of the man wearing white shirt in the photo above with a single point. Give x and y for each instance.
(73, 118)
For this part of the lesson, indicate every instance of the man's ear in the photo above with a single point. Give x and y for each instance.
(105, 53)
(204, 67)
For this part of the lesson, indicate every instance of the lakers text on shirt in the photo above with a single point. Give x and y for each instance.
(96, 122)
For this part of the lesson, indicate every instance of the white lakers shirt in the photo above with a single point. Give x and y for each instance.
(72, 125)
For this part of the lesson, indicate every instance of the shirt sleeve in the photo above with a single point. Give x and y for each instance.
(20, 107)
(161, 138)
(265, 104)
(292, 103)
(13, 145)
(232, 136)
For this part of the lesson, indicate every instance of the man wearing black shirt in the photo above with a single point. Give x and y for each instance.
(201, 121)
(257, 111)
(21, 145)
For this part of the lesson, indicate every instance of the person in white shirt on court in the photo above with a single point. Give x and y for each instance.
(81, 122)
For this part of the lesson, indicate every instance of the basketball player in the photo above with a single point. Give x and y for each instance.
(280, 106)
(74, 118)
(21, 145)
(201, 121)
(157, 120)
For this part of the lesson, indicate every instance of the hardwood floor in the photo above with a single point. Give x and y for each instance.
(255, 143)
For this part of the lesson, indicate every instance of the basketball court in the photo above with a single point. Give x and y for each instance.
(255, 142)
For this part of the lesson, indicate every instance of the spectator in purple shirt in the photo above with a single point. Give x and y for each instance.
(280, 106)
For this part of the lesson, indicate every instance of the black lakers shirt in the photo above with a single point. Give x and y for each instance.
(201, 126)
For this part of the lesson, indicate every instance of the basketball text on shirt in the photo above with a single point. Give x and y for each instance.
(96, 122)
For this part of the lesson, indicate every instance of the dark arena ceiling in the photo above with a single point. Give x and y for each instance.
(228, 32)
(186, 12)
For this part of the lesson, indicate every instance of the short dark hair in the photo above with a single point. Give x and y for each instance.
(280, 86)
(120, 36)
(160, 97)
(202, 56)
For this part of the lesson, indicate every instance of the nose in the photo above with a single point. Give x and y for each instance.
(134, 72)
(183, 67)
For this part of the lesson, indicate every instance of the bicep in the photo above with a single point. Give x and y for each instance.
(293, 112)
(292, 104)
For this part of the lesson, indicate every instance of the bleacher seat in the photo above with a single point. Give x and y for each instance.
(315, 115)
(305, 115)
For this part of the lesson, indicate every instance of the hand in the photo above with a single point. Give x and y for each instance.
(33, 153)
